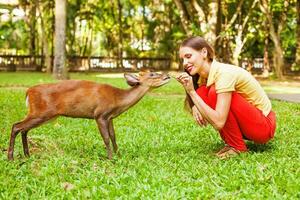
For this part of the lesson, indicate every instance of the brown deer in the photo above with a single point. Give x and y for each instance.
(83, 99)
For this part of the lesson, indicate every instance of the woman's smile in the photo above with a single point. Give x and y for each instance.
(189, 68)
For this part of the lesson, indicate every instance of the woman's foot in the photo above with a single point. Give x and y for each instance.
(227, 152)
(225, 148)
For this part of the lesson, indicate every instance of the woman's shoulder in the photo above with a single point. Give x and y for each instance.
(229, 68)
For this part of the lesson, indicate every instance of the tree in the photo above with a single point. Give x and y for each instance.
(296, 64)
(44, 15)
(240, 36)
(184, 16)
(59, 68)
(120, 22)
(199, 18)
(278, 59)
(154, 28)
(266, 51)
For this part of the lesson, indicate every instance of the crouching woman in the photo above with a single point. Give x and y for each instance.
(229, 98)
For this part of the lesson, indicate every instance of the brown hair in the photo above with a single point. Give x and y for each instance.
(197, 43)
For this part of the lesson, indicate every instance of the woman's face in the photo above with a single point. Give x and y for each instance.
(193, 60)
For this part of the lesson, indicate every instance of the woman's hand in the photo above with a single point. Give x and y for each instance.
(198, 117)
(186, 80)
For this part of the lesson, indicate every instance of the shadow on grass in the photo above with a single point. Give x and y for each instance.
(252, 147)
(259, 148)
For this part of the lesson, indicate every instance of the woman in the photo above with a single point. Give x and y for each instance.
(230, 98)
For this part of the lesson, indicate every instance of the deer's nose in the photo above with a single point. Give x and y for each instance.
(166, 75)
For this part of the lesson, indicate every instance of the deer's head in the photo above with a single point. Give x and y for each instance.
(147, 78)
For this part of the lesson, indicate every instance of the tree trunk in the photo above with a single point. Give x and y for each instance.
(224, 52)
(60, 69)
(201, 15)
(210, 35)
(278, 60)
(31, 21)
(120, 49)
(184, 16)
(207, 23)
(266, 52)
(218, 40)
(90, 45)
(239, 39)
(32, 27)
(52, 30)
(45, 41)
(85, 39)
(296, 64)
(238, 46)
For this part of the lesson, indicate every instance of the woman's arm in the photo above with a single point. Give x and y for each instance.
(201, 121)
(217, 117)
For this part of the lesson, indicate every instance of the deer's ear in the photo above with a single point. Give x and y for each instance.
(131, 79)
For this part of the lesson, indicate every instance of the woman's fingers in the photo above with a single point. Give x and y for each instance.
(198, 117)
(183, 78)
(201, 121)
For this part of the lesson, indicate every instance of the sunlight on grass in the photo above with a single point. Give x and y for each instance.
(163, 153)
(114, 75)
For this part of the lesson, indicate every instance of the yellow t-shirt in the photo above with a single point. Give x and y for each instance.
(229, 78)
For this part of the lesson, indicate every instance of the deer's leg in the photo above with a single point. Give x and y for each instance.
(112, 135)
(103, 127)
(24, 126)
(25, 143)
(14, 133)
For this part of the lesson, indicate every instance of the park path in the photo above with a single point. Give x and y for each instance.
(291, 82)
(295, 98)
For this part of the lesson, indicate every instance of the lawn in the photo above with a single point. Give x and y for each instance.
(163, 153)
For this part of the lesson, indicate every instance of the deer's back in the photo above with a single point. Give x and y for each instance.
(74, 98)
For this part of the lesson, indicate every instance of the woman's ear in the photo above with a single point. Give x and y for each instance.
(204, 52)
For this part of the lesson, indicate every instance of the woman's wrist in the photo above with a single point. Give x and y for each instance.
(191, 92)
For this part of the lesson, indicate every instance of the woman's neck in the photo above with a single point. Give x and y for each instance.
(205, 69)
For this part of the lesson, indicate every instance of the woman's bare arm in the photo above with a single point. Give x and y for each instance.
(217, 117)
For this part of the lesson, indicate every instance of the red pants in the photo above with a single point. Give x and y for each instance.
(244, 120)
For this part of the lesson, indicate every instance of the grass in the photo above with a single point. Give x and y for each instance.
(163, 154)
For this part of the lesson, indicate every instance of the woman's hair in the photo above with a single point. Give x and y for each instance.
(197, 43)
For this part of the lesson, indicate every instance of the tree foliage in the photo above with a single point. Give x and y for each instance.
(153, 28)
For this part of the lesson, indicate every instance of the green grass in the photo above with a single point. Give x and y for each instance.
(163, 154)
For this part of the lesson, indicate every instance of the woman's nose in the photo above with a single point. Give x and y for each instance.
(185, 62)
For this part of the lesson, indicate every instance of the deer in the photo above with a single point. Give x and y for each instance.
(83, 99)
